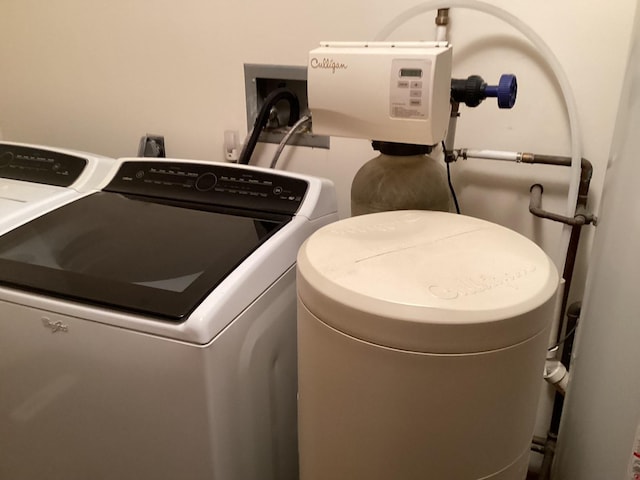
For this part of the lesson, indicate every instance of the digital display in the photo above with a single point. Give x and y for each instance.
(411, 72)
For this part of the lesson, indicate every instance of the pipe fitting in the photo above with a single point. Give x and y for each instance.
(442, 19)
(557, 375)
(535, 207)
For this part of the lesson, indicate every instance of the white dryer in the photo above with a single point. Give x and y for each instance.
(147, 330)
(34, 179)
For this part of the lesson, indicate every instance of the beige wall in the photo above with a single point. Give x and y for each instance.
(96, 75)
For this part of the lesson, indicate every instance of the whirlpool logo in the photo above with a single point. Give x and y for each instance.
(327, 64)
(55, 327)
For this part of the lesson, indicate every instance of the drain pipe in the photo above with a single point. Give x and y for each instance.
(573, 315)
(556, 373)
(262, 118)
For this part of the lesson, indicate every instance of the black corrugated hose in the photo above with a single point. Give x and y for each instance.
(263, 117)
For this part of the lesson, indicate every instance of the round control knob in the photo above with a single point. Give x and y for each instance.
(507, 91)
(5, 159)
(206, 182)
(473, 90)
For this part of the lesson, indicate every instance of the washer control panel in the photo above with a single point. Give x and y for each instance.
(28, 164)
(217, 185)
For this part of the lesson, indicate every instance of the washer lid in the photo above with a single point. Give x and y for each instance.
(427, 281)
(132, 253)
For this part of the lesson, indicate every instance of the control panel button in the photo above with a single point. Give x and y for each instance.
(215, 185)
(206, 181)
(29, 164)
(5, 159)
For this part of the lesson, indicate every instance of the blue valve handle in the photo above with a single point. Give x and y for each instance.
(505, 91)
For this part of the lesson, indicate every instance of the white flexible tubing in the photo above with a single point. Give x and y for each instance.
(554, 64)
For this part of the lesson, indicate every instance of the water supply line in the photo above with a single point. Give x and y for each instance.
(299, 125)
(442, 23)
(575, 223)
(580, 217)
(552, 62)
(262, 118)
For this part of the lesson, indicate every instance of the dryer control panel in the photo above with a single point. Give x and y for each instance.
(215, 185)
(35, 165)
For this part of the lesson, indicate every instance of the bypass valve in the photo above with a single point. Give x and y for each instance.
(473, 90)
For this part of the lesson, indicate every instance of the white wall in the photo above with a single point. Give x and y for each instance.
(600, 431)
(97, 75)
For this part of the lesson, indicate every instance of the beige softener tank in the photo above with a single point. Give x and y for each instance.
(421, 346)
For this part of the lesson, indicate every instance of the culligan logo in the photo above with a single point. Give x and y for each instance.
(463, 287)
(327, 64)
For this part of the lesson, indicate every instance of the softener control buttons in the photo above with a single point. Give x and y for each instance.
(206, 182)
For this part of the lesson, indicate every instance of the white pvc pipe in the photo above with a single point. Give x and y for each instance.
(552, 61)
(557, 375)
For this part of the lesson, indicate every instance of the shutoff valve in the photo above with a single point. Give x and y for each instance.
(473, 90)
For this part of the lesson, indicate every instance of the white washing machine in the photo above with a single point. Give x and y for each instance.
(34, 179)
(147, 330)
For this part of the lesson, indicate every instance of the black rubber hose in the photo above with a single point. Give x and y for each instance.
(263, 117)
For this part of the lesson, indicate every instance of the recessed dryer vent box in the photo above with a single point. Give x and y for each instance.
(260, 81)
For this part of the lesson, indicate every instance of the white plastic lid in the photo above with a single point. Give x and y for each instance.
(427, 281)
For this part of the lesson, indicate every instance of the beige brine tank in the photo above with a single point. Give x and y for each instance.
(421, 346)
